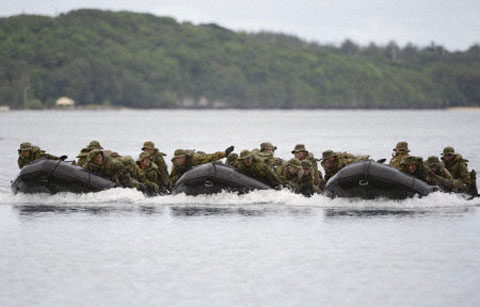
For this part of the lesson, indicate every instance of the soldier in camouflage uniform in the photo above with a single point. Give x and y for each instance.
(302, 154)
(28, 153)
(309, 183)
(291, 174)
(157, 157)
(82, 156)
(257, 169)
(267, 154)
(332, 161)
(414, 166)
(400, 152)
(457, 166)
(102, 163)
(184, 160)
(131, 177)
(437, 174)
(148, 172)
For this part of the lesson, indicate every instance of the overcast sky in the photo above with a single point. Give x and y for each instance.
(455, 24)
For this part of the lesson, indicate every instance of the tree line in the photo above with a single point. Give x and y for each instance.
(143, 61)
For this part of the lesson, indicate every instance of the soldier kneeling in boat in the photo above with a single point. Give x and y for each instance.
(267, 154)
(414, 167)
(457, 166)
(82, 156)
(257, 169)
(309, 183)
(184, 160)
(332, 161)
(149, 174)
(400, 152)
(156, 157)
(102, 163)
(302, 154)
(28, 153)
(291, 174)
(437, 174)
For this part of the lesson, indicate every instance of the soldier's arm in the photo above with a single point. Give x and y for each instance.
(272, 176)
(199, 158)
(163, 171)
(173, 176)
(20, 162)
(118, 172)
(464, 175)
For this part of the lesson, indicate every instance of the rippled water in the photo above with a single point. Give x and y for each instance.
(267, 248)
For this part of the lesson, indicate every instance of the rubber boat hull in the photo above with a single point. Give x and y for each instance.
(369, 180)
(213, 178)
(53, 176)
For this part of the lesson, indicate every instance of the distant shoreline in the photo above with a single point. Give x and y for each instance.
(112, 108)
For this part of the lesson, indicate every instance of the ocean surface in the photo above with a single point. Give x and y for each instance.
(266, 248)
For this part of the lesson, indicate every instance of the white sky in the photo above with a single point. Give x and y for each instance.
(455, 24)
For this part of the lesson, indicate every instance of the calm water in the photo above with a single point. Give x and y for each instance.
(118, 248)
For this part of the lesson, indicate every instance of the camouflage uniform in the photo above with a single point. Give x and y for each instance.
(35, 154)
(232, 159)
(437, 174)
(309, 156)
(259, 170)
(289, 180)
(110, 167)
(420, 172)
(342, 159)
(309, 183)
(157, 157)
(131, 177)
(148, 176)
(193, 159)
(401, 152)
(458, 168)
(267, 156)
(82, 156)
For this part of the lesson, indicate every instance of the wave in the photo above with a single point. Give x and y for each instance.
(129, 197)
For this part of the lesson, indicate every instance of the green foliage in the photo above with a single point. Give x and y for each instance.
(34, 104)
(144, 61)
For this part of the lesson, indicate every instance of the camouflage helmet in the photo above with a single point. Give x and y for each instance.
(25, 146)
(179, 153)
(299, 148)
(307, 164)
(402, 146)
(433, 160)
(294, 162)
(148, 145)
(411, 160)
(143, 155)
(328, 154)
(448, 150)
(92, 154)
(94, 144)
(266, 146)
(245, 154)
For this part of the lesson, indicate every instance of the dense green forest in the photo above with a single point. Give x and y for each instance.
(143, 61)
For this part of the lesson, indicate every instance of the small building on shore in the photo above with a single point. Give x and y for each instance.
(65, 102)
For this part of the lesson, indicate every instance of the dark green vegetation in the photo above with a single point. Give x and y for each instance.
(143, 61)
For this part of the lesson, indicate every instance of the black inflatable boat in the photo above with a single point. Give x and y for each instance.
(53, 176)
(369, 180)
(216, 177)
